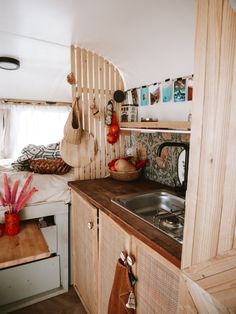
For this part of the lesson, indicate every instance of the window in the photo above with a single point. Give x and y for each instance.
(21, 125)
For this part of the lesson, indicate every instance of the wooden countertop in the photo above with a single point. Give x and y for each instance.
(27, 246)
(99, 193)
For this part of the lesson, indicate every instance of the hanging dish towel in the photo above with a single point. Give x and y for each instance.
(122, 297)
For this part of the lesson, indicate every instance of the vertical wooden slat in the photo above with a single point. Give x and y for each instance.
(227, 238)
(79, 171)
(108, 147)
(85, 102)
(121, 87)
(91, 117)
(122, 139)
(97, 122)
(115, 150)
(72, 58)
(196, 129)
(103, 106)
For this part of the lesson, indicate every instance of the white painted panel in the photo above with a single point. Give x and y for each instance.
(50, 236)
(148, 41)
(23, 281)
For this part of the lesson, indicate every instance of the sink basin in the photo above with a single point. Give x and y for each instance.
(161, 209)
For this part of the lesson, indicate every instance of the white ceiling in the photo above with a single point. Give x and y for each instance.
(147, 40)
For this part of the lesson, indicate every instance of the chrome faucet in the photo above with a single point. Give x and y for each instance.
(186, 147)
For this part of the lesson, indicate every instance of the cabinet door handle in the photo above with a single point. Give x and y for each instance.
(90, 225)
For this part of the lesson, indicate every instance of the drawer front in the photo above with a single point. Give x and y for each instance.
(50, 236)
(30, 279)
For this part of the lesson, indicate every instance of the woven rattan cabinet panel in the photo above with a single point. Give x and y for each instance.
(84, 251)
(112, 240)
(158, 281)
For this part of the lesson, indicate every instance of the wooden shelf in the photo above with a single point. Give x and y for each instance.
(27, 246)
(157, 125)
(162, 126)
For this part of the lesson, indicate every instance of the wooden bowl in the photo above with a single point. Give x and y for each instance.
(125, 175)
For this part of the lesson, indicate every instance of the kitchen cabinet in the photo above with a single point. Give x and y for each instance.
(112, 241)
(157, 287)
(84, 251)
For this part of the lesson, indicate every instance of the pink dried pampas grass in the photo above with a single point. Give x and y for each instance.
(13, 205)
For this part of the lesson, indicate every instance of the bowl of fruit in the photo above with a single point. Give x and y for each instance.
(126, 169)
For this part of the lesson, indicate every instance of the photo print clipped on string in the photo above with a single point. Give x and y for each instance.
(144, 93)
(154, 93)
(135, 96)
(167, 90)
(180, 89)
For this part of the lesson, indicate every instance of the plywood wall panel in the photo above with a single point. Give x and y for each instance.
(206, 235)
(196, 131)
(208, 260)
(96, 81)
(208, 195)
(227, 239)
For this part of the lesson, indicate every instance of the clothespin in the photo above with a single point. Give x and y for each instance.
(128, 261)
(123, 257)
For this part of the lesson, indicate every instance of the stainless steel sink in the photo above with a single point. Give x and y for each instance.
(161, 209)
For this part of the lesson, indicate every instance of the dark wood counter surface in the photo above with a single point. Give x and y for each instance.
(99, 193)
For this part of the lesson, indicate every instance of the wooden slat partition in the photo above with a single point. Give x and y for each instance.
(210, 207)
(209, 254)
(96, 80)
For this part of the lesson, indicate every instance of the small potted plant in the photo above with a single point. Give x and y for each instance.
(13, 205)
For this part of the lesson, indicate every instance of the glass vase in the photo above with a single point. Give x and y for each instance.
(12, 223)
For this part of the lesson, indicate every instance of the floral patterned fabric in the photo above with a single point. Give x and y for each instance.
(163, 169)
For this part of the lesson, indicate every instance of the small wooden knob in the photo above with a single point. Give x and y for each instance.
(90, 225)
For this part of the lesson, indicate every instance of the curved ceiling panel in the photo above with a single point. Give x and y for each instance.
(148, 41)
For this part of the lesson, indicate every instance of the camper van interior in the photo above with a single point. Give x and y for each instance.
(117, 138)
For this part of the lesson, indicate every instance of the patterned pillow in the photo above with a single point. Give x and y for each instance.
(32, 151)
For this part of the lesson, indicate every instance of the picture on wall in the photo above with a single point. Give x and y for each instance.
(179, 90)
(144, 99)
(154, 92)
(129, 97)
(167, 91)
(135, 99)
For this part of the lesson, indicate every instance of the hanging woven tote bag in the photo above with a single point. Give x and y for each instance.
(72, 128)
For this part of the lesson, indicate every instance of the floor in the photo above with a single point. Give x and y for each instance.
(66, 303)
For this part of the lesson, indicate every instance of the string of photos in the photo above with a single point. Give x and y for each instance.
(179, 89)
